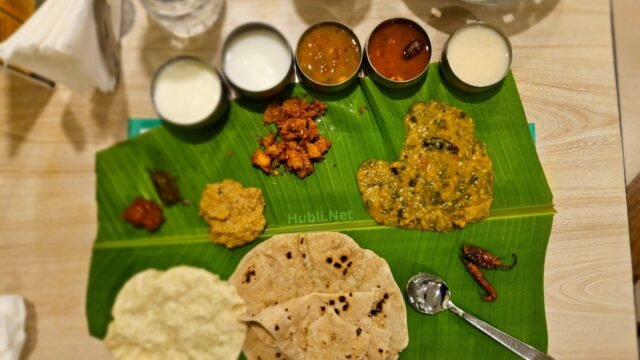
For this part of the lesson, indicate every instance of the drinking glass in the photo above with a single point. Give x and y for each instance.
(184, 18)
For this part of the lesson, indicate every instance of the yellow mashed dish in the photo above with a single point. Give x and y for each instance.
(443, 179)
(233, 212)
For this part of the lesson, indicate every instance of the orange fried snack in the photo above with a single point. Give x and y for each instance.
(297, 144)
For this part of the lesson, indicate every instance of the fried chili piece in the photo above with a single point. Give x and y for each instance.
(474, 258)
(413, 48)
(478, 276)
(485, 258)
(144, 213)
(166, 187)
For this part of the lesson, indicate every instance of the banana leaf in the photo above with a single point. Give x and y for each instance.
(364, 122)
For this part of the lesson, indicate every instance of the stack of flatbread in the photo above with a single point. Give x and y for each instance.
(319, 296)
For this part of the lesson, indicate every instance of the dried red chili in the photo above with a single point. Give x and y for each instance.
(474, 258)
(485, 258)
(478, 276)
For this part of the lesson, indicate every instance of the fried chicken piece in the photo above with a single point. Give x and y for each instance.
(293, 129)
(282, 156)
(292, 146)
(275, 150)
(299, 162)
(295, 160)
(315, 109)
(306, 170)
(300, 126)
(298, 108)
(262, 160)
(323, 144)
(313, 151)
(268, 140)
(312, 132)
(293, 107)
(273, 113)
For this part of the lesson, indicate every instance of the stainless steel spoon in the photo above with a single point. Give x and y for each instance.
(430, 295)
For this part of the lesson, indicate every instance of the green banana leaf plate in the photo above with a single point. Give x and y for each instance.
(364, 122)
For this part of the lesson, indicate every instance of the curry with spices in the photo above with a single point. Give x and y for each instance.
(443, 179)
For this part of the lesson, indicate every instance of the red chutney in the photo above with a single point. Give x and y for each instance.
(399, 50)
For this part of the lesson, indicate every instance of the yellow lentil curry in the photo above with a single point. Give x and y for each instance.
(443, 179)
(233, 212)
(328, 54)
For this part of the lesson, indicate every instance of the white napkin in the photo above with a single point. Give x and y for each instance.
(61, 42)
(12, 322)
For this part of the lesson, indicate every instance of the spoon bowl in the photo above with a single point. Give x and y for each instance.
(429, 294)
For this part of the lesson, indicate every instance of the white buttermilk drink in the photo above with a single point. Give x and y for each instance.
(257, 59)
(186, 91)
(478, 55)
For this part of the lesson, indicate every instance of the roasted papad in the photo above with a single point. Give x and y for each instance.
(181, 313)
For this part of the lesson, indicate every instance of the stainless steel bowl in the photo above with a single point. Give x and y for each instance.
(391, 83)
(219, 109)
(453, 79)
(321, 86)
(276, 88)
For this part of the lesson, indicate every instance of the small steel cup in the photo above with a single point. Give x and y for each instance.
(391, 83)
(453, 79)
(318, 85)
(276, 88)
(219, 109)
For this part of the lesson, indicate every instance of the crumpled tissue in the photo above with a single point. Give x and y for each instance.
(12, 326)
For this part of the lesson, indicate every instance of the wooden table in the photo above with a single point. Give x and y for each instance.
(565, 73)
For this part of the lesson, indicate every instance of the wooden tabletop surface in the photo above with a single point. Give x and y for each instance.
(564, 68)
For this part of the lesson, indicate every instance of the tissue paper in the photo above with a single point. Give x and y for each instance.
(12, 325)
(61, 42)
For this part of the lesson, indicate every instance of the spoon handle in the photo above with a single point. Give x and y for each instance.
(526, 351)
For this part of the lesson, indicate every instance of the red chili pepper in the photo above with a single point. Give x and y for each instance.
(477, 275)
(485, 258)
(474, 258)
